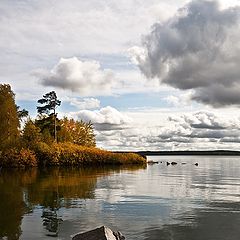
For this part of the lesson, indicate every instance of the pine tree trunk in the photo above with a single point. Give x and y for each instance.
(55, 126)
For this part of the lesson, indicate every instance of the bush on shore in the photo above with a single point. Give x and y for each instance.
(69, 154)
(18, 158)
(66, 154)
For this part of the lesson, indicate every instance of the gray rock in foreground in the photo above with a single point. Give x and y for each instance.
(102, 233)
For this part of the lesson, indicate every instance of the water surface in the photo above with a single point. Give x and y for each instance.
(179, 202)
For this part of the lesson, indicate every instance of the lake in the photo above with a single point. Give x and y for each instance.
(158, 202)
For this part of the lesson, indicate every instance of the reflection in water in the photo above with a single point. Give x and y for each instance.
(55, 187)
(23, 192)
(51, 222)
(159, 202)
(12, 205)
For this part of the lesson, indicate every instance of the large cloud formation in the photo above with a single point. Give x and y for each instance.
(183, 132)
(84, 77)
(196, 49)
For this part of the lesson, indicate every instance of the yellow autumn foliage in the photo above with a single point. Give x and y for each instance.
(69, 154)
(18, 158)
(65, 154)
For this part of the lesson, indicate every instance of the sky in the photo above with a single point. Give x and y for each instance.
(150, 75)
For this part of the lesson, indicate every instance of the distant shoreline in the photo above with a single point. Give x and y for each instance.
(187, 153)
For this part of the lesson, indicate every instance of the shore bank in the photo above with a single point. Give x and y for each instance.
(65, 154)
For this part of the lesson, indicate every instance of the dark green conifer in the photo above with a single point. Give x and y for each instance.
(49, 104)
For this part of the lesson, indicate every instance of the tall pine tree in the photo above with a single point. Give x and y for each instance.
(9, 121)
(49, 104)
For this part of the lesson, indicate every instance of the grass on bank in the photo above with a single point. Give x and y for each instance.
(65, 154)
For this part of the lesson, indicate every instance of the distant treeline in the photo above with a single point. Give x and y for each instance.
(144, 154)
(210, 153)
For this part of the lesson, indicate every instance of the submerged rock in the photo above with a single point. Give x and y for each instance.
(102, 233)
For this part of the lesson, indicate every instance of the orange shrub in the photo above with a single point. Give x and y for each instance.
(45, 154)
(71, 154)
(18, 158)
(66, 154)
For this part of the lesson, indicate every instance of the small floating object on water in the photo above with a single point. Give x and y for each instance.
(173, 163)
(152, 162)
(183, 163)
(196, 164)
(168, 163)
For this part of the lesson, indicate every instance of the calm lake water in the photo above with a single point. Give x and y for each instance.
(158, 202)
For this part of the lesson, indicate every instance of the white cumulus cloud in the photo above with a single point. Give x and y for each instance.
(85, 77)
(105, 119)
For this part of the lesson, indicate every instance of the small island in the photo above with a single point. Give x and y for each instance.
(48, 140)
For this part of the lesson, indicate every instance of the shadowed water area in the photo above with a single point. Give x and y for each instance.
(157, 202)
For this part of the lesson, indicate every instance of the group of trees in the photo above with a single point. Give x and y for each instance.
(47, 127)
(48, 140)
